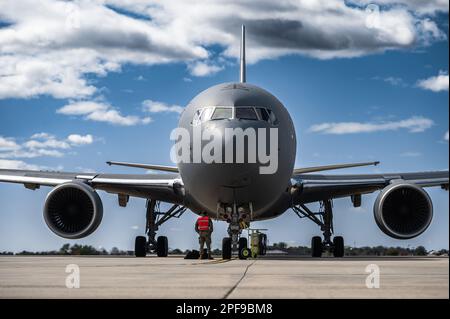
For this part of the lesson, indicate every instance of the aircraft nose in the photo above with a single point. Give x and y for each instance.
(231, 133)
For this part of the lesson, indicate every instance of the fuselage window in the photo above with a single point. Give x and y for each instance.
(221, 113)
(246, 113)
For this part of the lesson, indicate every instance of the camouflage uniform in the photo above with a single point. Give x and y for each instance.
(205, 237)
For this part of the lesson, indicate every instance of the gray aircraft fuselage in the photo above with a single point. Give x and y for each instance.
(208, 184)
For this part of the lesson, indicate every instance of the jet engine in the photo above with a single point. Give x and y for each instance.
(73, 210)
(403, 210)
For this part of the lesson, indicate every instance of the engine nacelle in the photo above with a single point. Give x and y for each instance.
(73, 210)
(403, 210)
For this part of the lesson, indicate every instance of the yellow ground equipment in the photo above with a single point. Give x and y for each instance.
(258, 244)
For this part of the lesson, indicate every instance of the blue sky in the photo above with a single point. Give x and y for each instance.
(386, 101)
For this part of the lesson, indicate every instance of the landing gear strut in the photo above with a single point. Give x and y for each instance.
(324, 219)
(237, 220)
(154, 219)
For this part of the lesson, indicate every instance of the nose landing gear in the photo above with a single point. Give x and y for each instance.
(234, 242)
(238, 220)
(324, 219)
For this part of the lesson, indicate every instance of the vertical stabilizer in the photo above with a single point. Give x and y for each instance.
(243, 74)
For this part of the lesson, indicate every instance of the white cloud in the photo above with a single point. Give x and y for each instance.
(446, 136)
(31, 153)
(7, 144)
(13, 164)
(392, 80)
(395, 81)
(51, 49)
(77, 139)
(158, 107)
(42, 135)
(418, 6)
(203, 68)
(82, 108)
(414, 125)
(41, 144)
(435, 83)
(49, 143)
(101, 112)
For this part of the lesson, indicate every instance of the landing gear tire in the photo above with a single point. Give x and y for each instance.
(316, 246)
(226, 248)
(338, 246)
(242, 247)
(140, 246)
(162, 246)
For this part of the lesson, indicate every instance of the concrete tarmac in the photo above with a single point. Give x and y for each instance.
(175, 277)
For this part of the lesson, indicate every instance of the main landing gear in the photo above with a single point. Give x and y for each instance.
(154, 219)
(324, 219)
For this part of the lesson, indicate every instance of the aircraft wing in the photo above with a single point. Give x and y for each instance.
(309, 188)
(165, 187)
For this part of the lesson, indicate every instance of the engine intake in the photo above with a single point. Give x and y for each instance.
(73, 210)
(403, 210)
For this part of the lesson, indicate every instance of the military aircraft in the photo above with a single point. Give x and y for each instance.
(235, 192)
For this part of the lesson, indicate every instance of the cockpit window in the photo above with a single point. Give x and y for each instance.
(241, 112)
(196, 118)
(273, 118)
(206, 115)
(222, 113)
(246, 113)
(263, 115)
(267, 115)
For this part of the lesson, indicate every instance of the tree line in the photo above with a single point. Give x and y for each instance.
(280, 248)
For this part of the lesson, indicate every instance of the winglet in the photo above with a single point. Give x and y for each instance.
(243, 74)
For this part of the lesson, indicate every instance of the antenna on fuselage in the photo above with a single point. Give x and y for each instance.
(243, 70)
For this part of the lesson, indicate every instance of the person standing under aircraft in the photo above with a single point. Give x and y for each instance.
(204, 228)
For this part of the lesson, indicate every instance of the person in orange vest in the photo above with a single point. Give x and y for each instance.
(204, 228)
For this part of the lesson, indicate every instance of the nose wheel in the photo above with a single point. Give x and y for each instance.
(234, 241)
(226, 248)
(324, 219)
